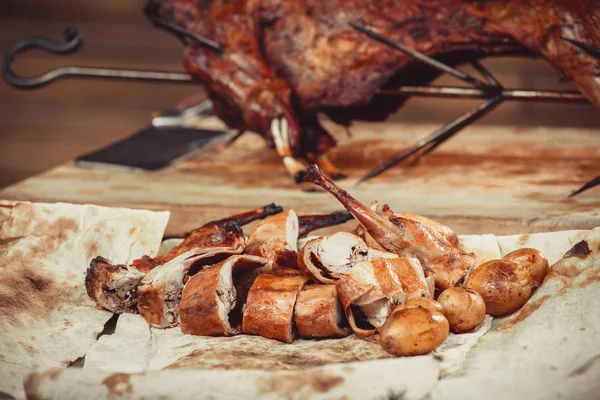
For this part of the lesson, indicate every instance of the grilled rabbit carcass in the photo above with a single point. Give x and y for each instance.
(284, 61)
(426, 240)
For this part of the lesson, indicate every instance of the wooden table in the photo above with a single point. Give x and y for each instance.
(488, 179)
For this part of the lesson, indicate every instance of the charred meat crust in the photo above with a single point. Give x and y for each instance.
(310, 223)
(113, 287)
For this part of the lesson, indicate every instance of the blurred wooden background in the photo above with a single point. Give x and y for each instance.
(42, 128)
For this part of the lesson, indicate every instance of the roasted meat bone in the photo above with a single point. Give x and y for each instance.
(370, 290)
(220, 233)
(405, 237)
(113, 287)
(326, 259)
(210, 295)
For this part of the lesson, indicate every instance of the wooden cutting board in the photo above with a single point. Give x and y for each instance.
(489, 179)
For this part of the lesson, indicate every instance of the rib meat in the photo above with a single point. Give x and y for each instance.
(286, 60)
(404, 237)
(210, 295)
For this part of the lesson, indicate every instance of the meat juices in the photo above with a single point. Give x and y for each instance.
(113, 287)
(210, 295)
(319, 313)
(371, 289)
(404, 237)
(269, 310)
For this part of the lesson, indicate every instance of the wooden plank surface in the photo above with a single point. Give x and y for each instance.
(488, 179)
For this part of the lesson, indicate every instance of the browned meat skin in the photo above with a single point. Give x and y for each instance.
(222, 233)
(404, 237)
(269, 310)
(309, 223)
(210, 295)
(113, 287)
(540, 24)
(370, 289)
(319, 313)
(275, 233)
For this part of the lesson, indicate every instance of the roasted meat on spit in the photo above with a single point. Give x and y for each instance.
(271, 66)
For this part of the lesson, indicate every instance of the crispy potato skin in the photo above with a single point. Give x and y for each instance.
(532, 260)
(463, 308)
(414, 331)
(424, 302)
(504, 285)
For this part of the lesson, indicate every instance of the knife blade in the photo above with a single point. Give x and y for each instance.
(172, 136)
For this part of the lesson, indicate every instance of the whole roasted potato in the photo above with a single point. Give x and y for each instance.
(463, 308)
(504, 285)
(424, 302)
(533, 261)
(413, 331)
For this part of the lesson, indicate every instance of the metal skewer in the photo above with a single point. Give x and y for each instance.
(492, 90)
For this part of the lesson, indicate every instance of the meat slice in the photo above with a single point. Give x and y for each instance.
(405, 237)
(269, 310)
(113, 287)
(277, 232)
(160, 290)
(224, 233)
(319, 313)
(210, 295)
(326, 259)
(371, 289)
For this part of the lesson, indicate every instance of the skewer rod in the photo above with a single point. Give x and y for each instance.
(473, 93)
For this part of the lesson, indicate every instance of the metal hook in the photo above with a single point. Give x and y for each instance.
(74, 41)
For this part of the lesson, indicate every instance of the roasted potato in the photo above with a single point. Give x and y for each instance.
(504, 285)
(424, 302)
(413, 331)
(463, 308)
(533, 261)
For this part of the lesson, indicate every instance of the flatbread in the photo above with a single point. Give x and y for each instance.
(47, 318)
(550, 348)
(406, 378)
(137, 361)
